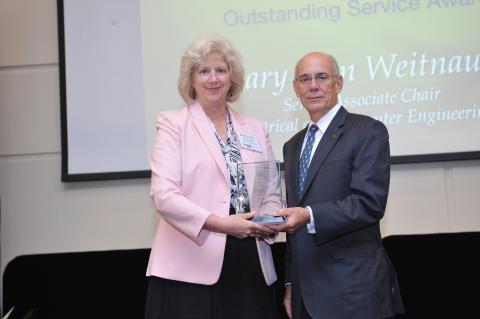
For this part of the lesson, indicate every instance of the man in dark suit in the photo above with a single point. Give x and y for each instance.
(337, 173)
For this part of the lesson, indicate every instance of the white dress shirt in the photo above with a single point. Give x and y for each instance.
(322, 124)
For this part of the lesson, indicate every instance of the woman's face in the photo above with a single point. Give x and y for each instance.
(211, 81)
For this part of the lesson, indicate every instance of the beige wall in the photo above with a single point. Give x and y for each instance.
(39, 214)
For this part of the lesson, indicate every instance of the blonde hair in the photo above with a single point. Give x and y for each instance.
(194, 56)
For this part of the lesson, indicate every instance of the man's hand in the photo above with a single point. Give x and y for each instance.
(287, 301)
(296, 218)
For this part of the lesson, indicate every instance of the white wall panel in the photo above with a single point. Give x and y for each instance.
(28, 32)
(466, 196)
(29, 110)
(42, 215)
(418, 201)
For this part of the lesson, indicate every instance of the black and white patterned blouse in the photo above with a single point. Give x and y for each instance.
(231, 152)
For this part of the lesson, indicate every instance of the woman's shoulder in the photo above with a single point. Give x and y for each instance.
(247, 119)
(173, 115)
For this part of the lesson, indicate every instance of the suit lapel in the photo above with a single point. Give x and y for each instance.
(328, 141)
(205, 130)
(240, 125)
(295, 161)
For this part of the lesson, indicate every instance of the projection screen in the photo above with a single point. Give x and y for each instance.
(414, 65)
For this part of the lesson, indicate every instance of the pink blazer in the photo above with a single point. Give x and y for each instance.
(189, 182)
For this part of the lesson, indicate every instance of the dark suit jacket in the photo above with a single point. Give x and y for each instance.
(342, 271)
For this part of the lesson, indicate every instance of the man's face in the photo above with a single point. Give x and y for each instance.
(317, 84)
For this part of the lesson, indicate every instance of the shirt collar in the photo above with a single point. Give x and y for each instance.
(325, 120)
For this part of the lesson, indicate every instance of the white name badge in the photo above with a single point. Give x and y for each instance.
(249, 142)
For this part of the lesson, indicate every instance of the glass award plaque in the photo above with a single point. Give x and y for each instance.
(263, 182)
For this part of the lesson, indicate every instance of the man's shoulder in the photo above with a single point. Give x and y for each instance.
(359, 117)
(362, 121)
(295, 137)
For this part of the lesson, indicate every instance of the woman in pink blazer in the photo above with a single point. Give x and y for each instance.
(207, 261)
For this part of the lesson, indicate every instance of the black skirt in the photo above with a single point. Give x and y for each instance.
(240, 293)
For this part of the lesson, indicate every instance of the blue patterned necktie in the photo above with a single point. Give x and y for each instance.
(305, 158)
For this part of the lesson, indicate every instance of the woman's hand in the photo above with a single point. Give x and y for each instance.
(237, 225)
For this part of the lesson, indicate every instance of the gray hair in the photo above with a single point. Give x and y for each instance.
(331, 57)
